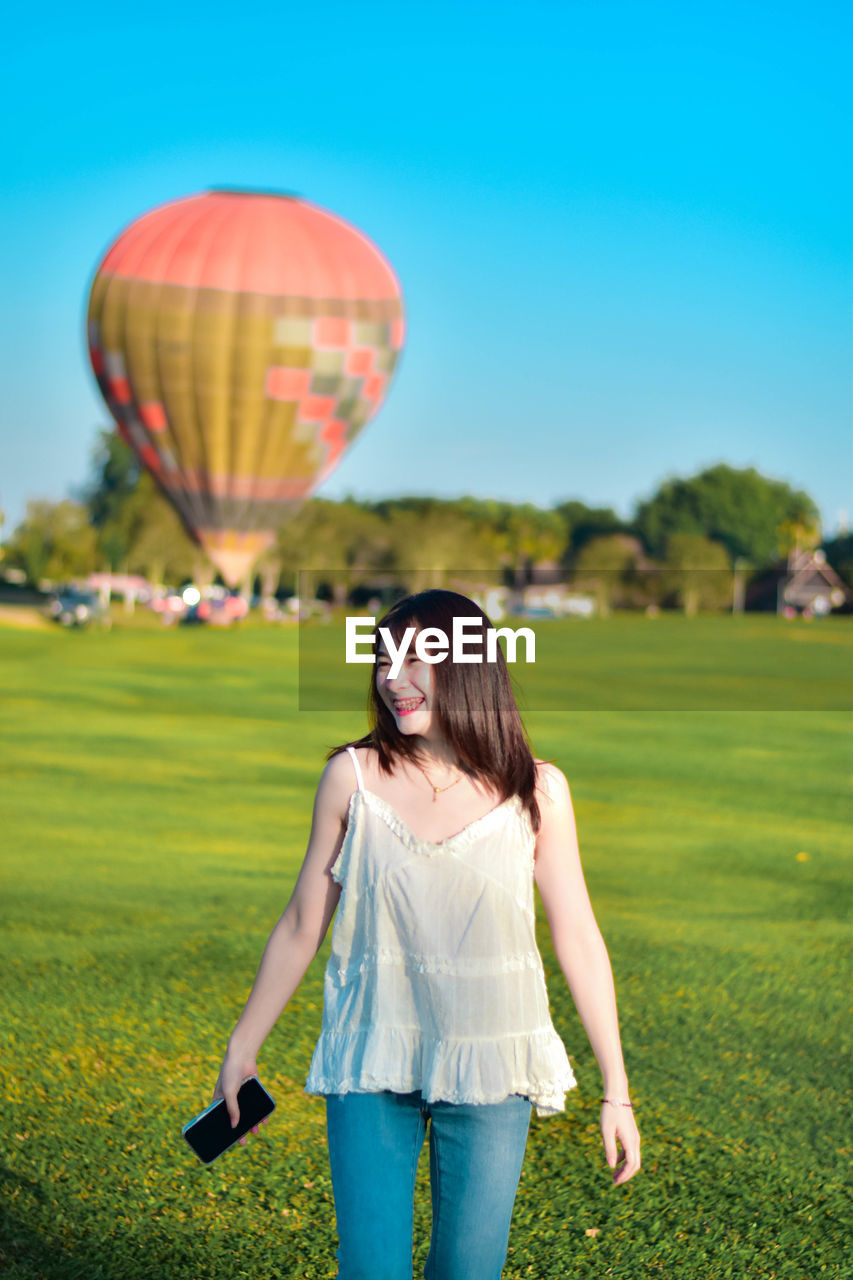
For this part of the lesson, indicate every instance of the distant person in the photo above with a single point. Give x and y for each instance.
(427, 835)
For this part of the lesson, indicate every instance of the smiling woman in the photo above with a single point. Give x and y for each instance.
(428, 835)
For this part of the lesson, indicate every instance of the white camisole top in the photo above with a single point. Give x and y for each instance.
(435, 982)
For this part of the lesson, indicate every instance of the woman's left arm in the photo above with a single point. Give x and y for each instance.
(582, 957)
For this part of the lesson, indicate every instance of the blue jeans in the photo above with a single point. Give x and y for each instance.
(475, 1157)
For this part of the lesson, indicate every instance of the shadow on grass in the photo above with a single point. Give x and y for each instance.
(139, 1251)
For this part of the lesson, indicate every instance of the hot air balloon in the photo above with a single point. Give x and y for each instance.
(242, 340)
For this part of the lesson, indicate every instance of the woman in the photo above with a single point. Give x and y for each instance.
(427, 836)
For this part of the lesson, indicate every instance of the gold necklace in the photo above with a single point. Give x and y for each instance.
(435, 789)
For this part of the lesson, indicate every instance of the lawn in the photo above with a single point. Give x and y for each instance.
(157, 787)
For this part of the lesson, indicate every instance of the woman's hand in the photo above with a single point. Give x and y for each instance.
(235, 1069)
(621, 1141)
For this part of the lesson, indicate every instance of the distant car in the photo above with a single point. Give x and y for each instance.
(76, 607)
(536, 611)
(192, 617)
(217, 612)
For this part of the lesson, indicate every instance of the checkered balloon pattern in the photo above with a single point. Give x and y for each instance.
(242, 341)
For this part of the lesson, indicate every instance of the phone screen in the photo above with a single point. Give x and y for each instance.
(210, 1133)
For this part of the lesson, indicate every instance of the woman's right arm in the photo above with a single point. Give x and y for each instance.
(297, 936)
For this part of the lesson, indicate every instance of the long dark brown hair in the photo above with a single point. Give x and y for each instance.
(474, 706)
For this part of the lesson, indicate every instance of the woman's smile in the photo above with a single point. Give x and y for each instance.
(408, 695)
(405, 706)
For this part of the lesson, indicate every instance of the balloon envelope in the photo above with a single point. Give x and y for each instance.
(242, 340)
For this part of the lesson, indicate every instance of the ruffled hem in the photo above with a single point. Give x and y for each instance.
(535, 1065)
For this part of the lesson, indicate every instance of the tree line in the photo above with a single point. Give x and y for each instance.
(681, 545)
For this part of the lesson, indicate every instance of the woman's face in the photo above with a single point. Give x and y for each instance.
(409, 696)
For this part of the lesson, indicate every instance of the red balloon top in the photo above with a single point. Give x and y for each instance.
(286, 246)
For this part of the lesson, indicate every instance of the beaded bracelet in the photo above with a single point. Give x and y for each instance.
(618, 1104)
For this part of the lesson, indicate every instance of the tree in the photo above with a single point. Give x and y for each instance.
(519, 535)
(440, 546)
(115, 476)
(54, 541)
(604, 565)
(268, 568)
(336, 543)
(160, 548)
(743, 510)
(839, 555)
(531, 535)
(799, 531)
(138, 530)
(582, 523)
(697, 572)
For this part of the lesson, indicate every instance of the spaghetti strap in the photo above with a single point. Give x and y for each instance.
(357, 767)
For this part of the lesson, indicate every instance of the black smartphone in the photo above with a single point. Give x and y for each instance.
(210, 1133)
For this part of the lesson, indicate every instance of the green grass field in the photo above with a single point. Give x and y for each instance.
(156, 794)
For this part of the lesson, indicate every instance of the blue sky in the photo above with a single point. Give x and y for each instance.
(622, 230)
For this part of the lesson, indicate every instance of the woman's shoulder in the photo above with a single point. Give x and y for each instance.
(341, 769)
(337, 783)
(551, 782)
(365, 755)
